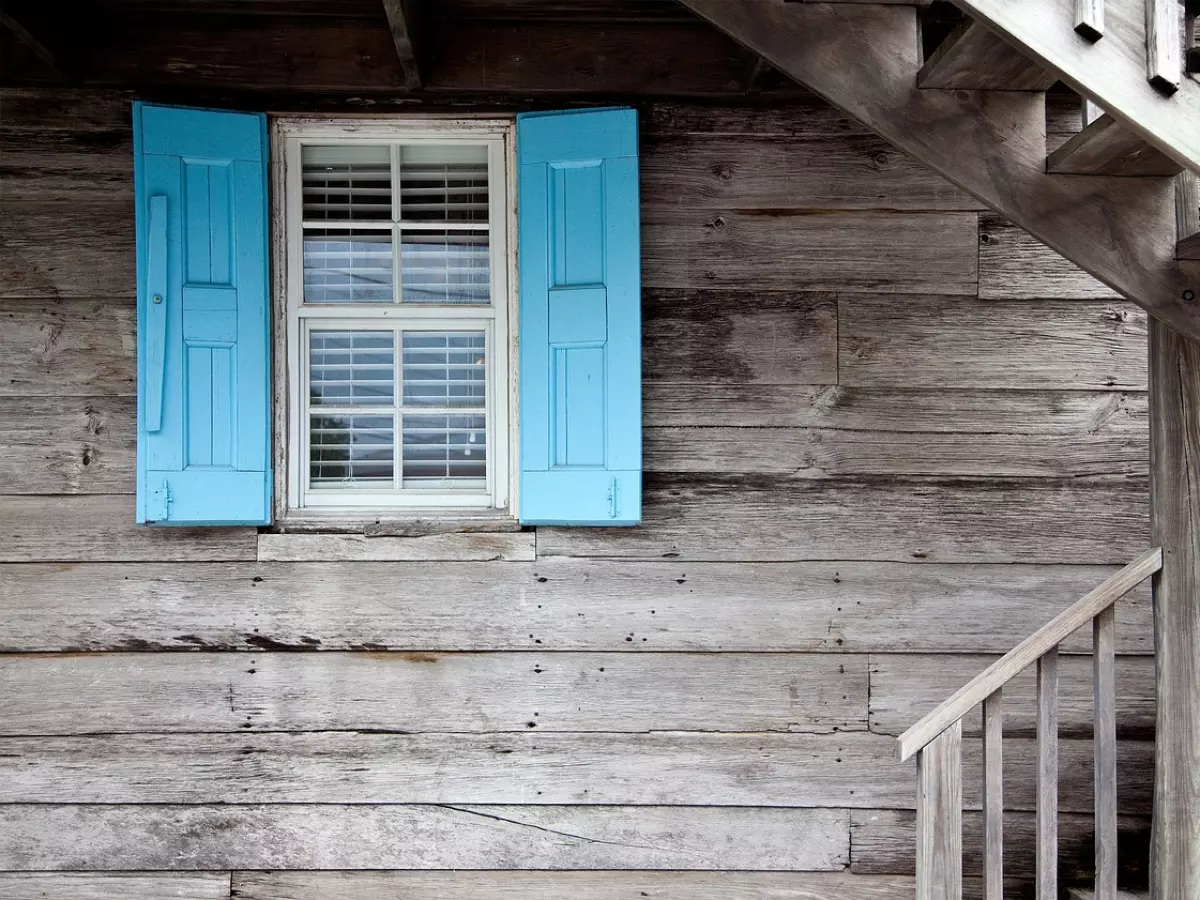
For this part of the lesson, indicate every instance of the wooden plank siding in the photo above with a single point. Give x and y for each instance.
(887, 435)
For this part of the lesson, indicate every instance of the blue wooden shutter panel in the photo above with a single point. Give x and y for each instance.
(203, 328)
(580, 318)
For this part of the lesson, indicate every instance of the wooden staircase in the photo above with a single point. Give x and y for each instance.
(975, 112)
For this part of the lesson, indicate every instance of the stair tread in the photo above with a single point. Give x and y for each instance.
(1089, 894)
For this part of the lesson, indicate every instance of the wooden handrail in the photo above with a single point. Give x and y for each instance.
(1029, 651)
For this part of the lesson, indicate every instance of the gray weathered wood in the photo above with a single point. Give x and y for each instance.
(490, 692)
(101, 527)
(550, 605)
(67, 348)
(1089, 19)
(993, 795)
(423, 837)
(972, 58)
(51, 445)
(843, 770)
(514, 547)
(1141, 45)
(65, 249)
(715, 336)
(1041, 646)
(939, 817)
(884, 842)
(1014, 265)
(838, 251)
(990, 143)
(906, 686)
(576, 885)
(1189, 248)
(1047, 776)
(744, 518)
(1106, 147)
(402, 18)
(91, 886)
(949, 342)
(1104, 679)
(1175, 522)
(1164, 62)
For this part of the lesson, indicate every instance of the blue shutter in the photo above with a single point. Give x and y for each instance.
(580, 318)
(203, 336)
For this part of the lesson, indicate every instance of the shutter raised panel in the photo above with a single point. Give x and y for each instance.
(580, 318)
(203, 335)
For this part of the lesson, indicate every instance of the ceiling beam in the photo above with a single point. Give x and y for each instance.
(404, 20)
(864, 59)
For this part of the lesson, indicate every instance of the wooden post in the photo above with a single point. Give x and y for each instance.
(1175, 525)
(939, 817)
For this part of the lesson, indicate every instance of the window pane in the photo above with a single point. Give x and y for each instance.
(345, 266)
(352, 450)
(444, 369)
(352, 368)
(443, 184)
(445, 452)
(344, 184)
(445, 267)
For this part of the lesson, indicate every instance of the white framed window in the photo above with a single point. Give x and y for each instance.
(396, 237)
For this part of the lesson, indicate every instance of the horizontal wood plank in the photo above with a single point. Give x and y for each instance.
(851, 770)
(815, 251)
(422, 837)
(67, 348)
(101, 527)
(896, 409)
(884, 842)
(948, 342)
(63, 248)
(905, 687)
(1014, 265)
(479, 693)
(576, 885)
(825, 170)
(93, 886)
(744, 518)
(550, 605)
(82, 166)
(77, 445)
(716, 336)
(515, 546)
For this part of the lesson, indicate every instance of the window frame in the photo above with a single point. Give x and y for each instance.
(294, 499)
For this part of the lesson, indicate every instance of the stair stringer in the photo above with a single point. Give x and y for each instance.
(864, 60)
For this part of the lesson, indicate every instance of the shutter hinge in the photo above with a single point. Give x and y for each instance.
(613, 502)
(161, 511)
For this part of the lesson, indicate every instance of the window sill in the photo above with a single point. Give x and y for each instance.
(471, 541)
(420, 523)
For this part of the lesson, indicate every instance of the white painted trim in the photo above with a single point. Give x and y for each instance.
(296, 500)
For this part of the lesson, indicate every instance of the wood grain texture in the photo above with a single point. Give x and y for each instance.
(972, 58)
(949, 342)
(1164, 62)
(67, 348)
(85, 166)
(514, 547)
(1104, 702)
(78, 445)
(54, 249)
(554, 886)
(551, 605)
(1175, 522)
(478, 693)
(759, 518)
(813, 163)
(1105, 147)
(884, 842)
(101, 527)
(939, 817)
(993, 796)
(814, 251)
(850, 770)
(990, 143)
(1014, 265)
(1048, 776)
(715, 336)
(281, 836)
(906, 687)
(92, 886)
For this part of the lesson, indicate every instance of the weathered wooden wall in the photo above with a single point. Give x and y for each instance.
(887, 435)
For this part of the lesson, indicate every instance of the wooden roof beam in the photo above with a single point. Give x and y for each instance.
(404, 20)
(991, 144)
